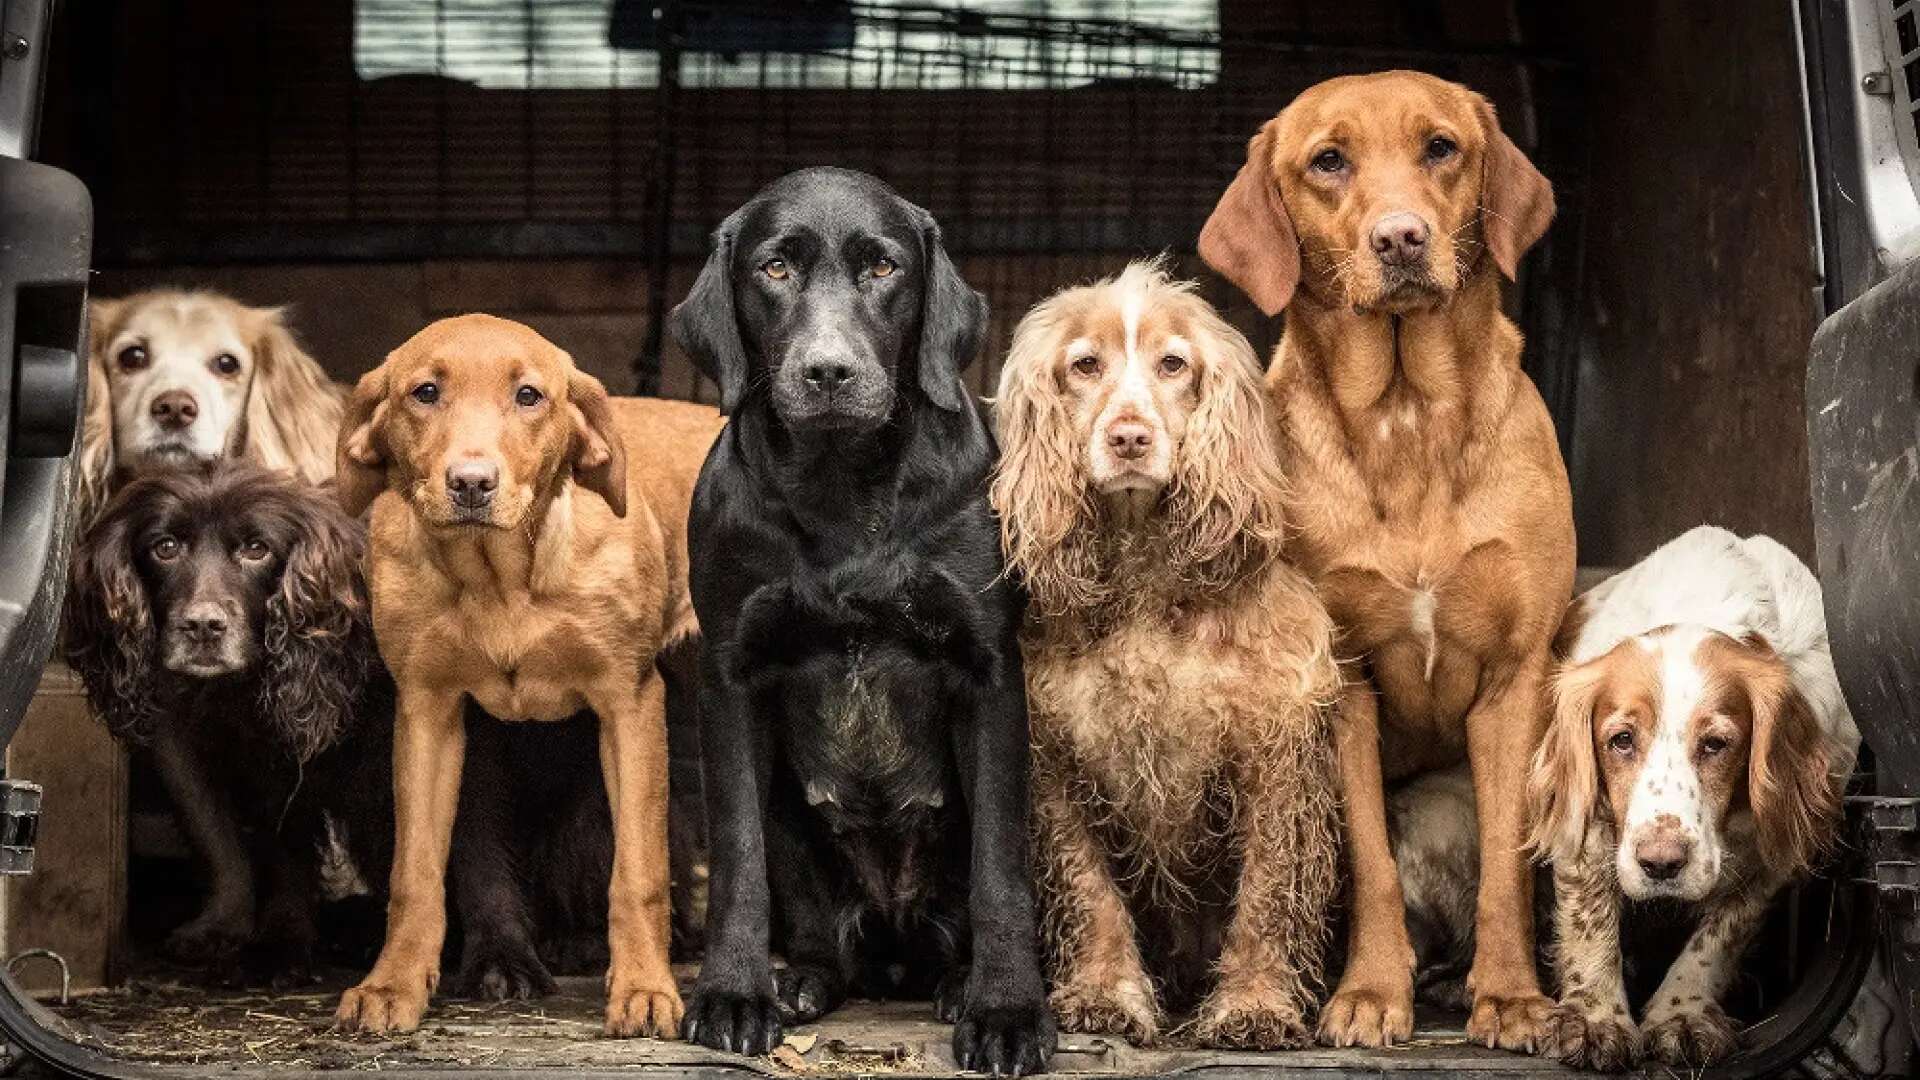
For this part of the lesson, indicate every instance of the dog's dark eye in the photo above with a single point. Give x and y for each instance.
(775, 269)
(254, 550)
(1713, 746)
(166, 549)
(1329, 161)
(883, 267)
(528, 397)
(426, 393)
(1172, 365)
(1086, 365)
(133, 358)
(1440, 148)
(226, 363)
(1621, 743)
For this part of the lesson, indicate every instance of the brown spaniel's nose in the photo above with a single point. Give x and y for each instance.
(175, 410)
(1663, 855)
(1400, 238)
(471, 483)
(202, 624)
(1129, 440)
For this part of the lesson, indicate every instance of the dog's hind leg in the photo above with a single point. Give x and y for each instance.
(498, 957)
(1286, 823)
(814, 981)
(226, 921)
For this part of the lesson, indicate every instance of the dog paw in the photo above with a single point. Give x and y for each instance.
(1608, 1043)
(1691, 1040)
(1517, 1022)
(1249, 1021)
(734, 1022)
(806, 993)
(950, 997)
(1363, 1014)
(503, 973)
(1127, 1008)
(208, 938)
(645, 1004)
(384, 1003)
(1005, 1040)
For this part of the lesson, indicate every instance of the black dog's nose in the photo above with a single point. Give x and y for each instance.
(202, 624)
(827, 375)
(471, 483)
(175, 409)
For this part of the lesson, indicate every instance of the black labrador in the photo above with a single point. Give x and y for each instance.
(862, 708)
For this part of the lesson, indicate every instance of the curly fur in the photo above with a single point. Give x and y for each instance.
(1180, 684)
(110, 639)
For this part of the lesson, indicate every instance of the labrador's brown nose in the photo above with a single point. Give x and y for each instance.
(175, 410)
(1400, 238)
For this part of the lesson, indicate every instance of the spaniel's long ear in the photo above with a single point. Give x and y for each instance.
(319, 651)
(953, 321)
(707, 327)
(1563, 788)
(93, 464)
(1516, 202)
(293, 409)
(1227, 493)
(110, 636)
(1796, 804)
(599, 453)
(1249, 238)
(363, 452)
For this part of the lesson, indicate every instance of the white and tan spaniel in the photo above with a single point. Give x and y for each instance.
(1697, 753)
(194, 375)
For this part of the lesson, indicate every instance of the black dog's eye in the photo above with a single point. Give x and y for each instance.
(1621, 743)
(775, 269)
(226, 363)
(528, 397)
(133, 358)
(1329, 161)
(426, 393)
(1713, 746)
(883, 267)
(1440, 148)
(1172, 365)
(254, 550)
(166, 549)
(1086, 365)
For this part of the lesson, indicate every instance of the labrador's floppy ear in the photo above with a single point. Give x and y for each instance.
(1516, 202)
(953, 320)
(599, 454)
(361, 459)
(1249, 237)
(707, 327)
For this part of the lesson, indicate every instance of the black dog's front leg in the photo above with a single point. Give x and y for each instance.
(733, 1006)
(1005, 1026)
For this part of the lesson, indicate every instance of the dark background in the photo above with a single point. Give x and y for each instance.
(230, 143)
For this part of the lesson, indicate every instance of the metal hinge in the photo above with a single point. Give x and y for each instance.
(19, 825)
(1892, 843)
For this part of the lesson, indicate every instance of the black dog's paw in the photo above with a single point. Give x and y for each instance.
(580, 953)
(279, 964)
(950, 997)
(502, 971)
(205, 940)
(736, 1023)
(806, 993)
(1006, 1040)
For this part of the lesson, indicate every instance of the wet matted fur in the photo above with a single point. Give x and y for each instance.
(1180, 672)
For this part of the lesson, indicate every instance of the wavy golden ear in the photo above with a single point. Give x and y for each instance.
(1516, 201)
(1796, 805)
(361, 459)
(1563, 786)
(1249, 237)
(599, 454)
(293, 409)
(93, 464)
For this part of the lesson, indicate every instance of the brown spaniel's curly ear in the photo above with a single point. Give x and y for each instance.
(1563, 788)
(362, 456)
(1249, 238)
(318, 642)
(110, 635)
(1796, 804)
(293, 409)
(953, 321)
(706, 325)
(599, 453)
(1516, 202)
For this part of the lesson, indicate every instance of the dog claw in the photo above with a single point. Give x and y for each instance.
(1601, 1043)
(1691, 1040)
(805, 993)
(1367, 1016)
(1015, 1040)
(735, 1023)
(380, 1007)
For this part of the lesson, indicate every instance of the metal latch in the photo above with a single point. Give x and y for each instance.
(19, 825)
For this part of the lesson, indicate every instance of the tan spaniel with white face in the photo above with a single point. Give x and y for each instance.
(1697, 753)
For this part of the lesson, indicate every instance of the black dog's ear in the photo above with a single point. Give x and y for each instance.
(706, 327)
(318, 638)
(953, 320)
